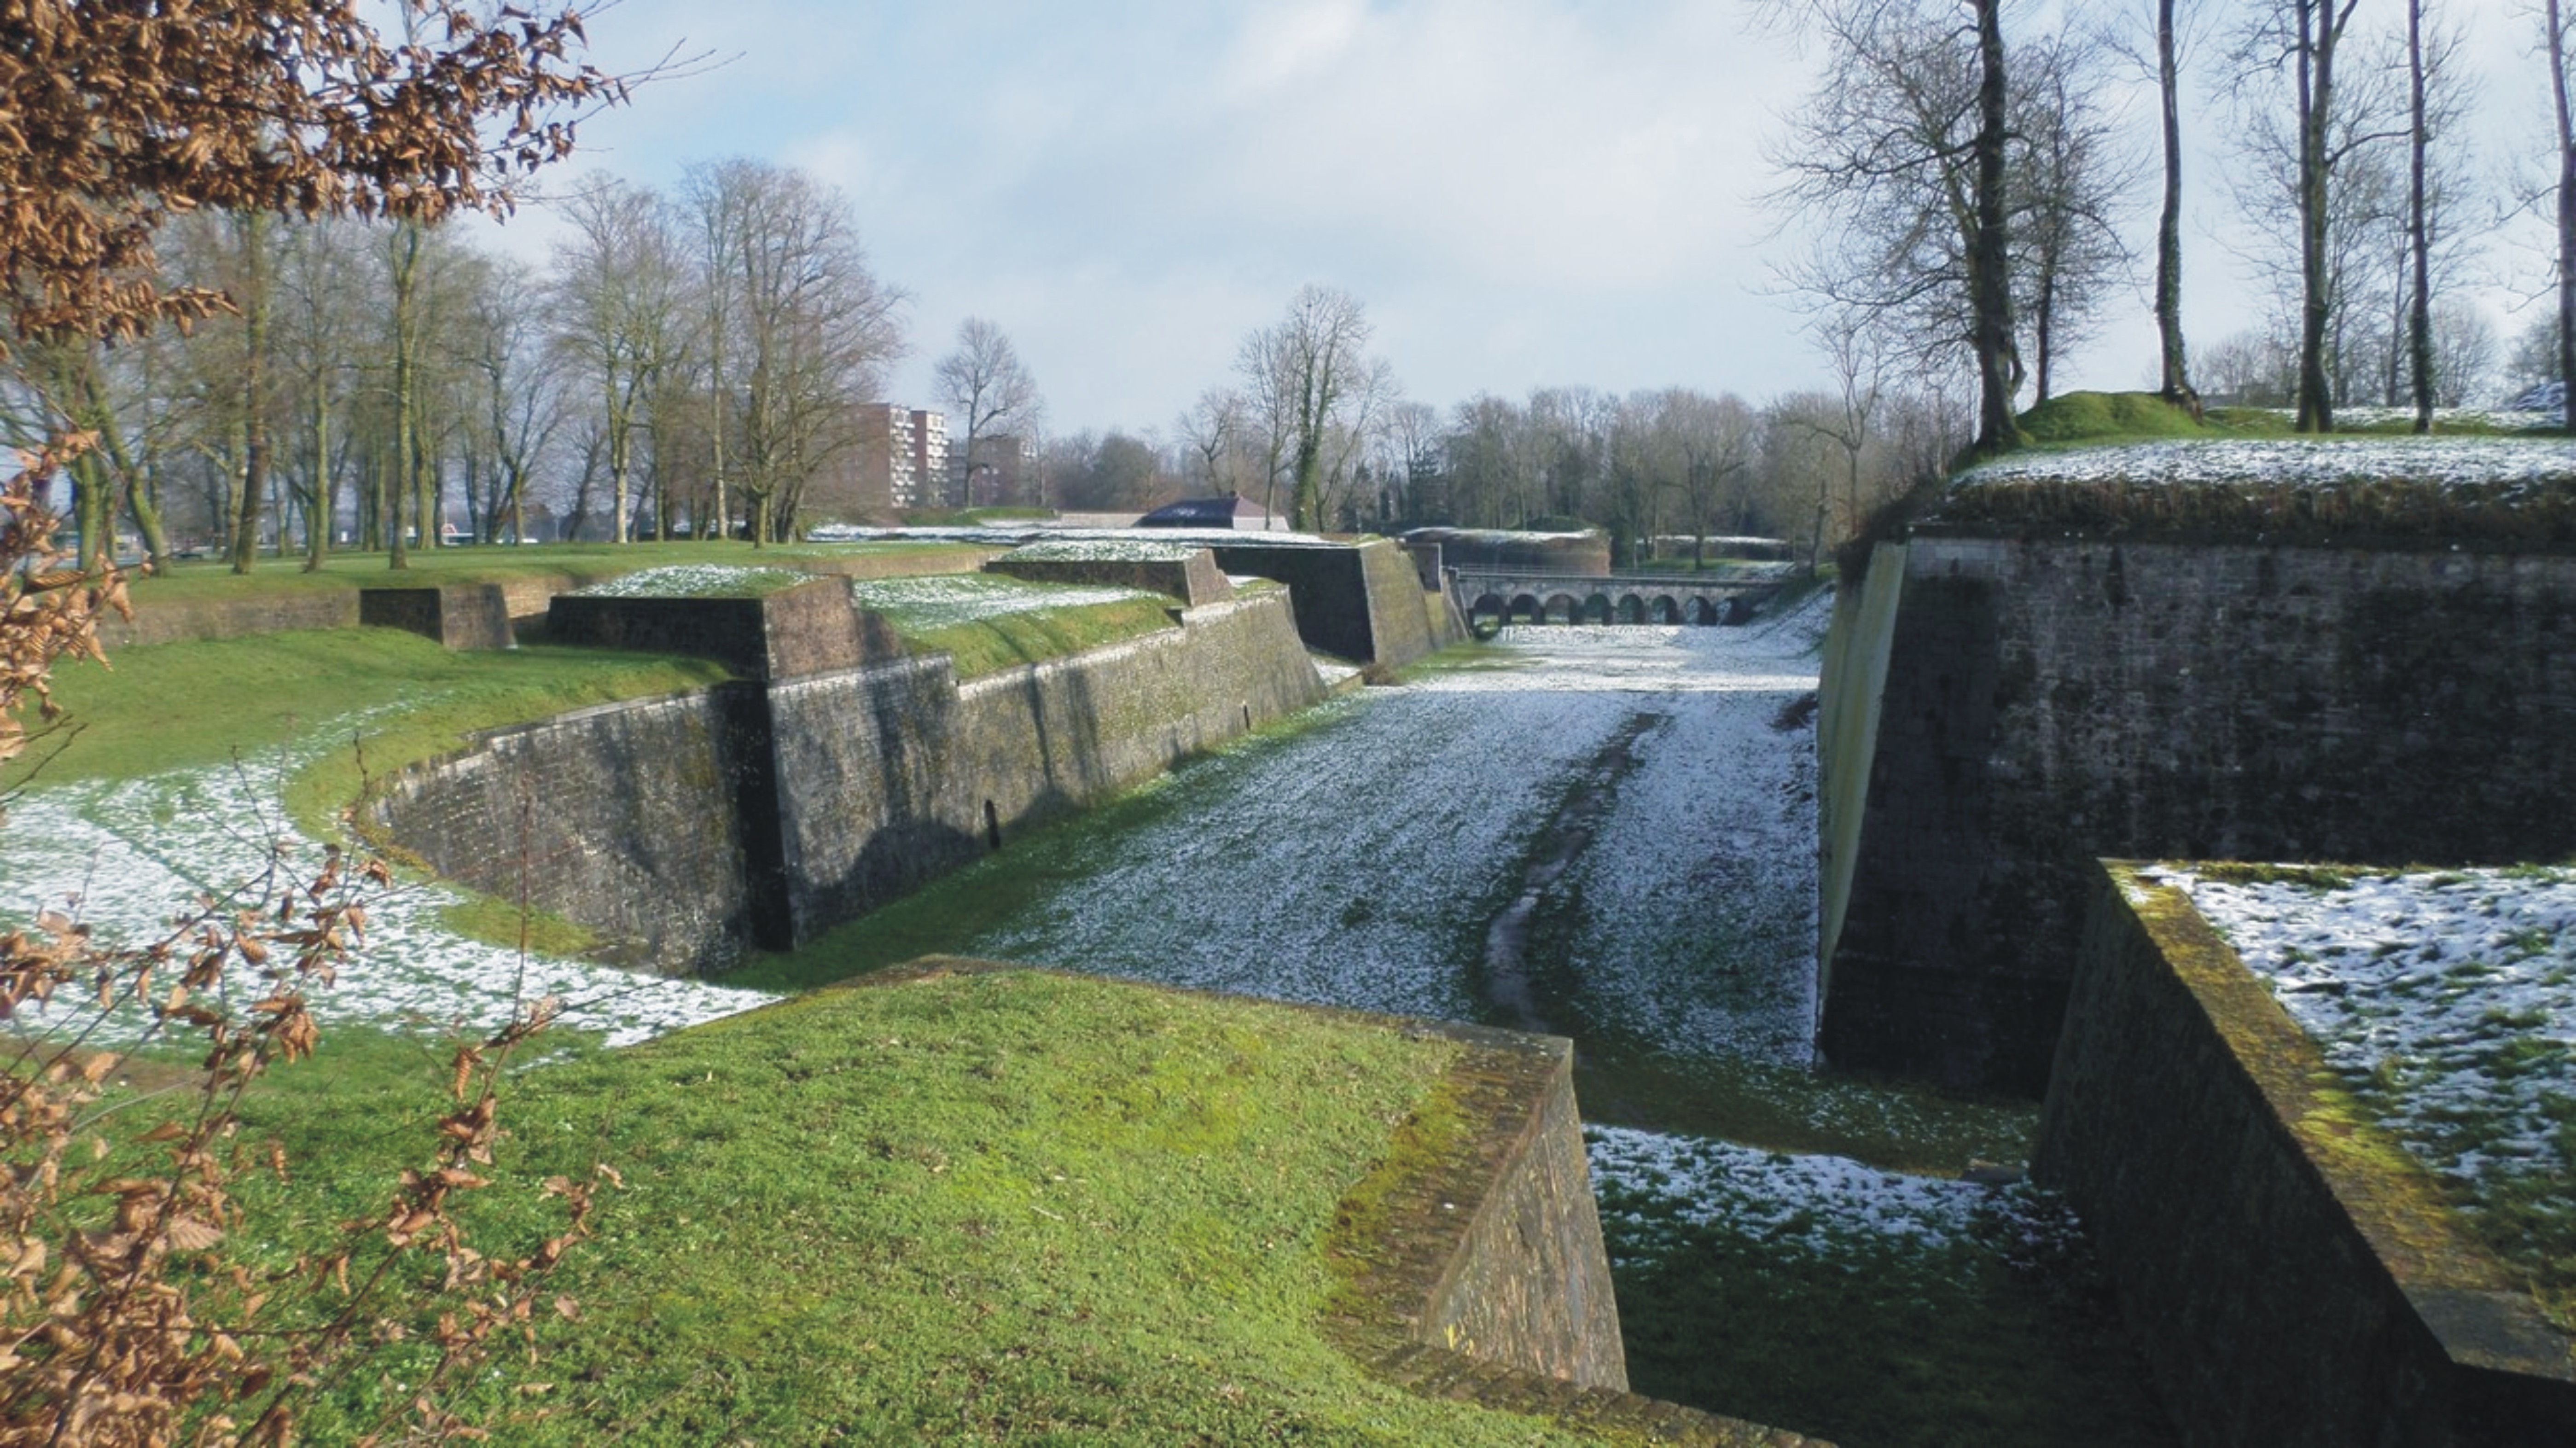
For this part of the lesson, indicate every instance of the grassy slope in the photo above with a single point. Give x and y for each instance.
(578, 563)
(171, 705)
(1015, 1207)
(2089, 418)
(990, 645)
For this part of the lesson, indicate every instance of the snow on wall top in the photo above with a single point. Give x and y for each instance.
(2290, 463)
(2446, 999)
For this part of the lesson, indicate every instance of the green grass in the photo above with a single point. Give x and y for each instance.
(575, 563)
(2005, 1339)
(2090, 418)
(1013, 1207)
(170, 706)
(989, 645)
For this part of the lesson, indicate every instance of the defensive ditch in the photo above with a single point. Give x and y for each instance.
(1621, 801)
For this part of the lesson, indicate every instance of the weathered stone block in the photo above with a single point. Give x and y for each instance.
(2290, 1276)
(2045, 700)
(457, 615)
(1189, 576)
(808, 628)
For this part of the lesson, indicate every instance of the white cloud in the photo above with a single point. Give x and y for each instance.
(1522, 191)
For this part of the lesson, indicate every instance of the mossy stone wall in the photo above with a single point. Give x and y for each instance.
(1191, 581)
(457, 616)
(684, 828)
(2292, 1276)
(625, 817)
(2051, 699)
(1362, 602)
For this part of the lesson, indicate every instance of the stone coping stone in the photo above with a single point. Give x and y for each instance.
(1504, 1082)
(2291, 1273)
(1186, 573)
(809, 628)
(457, 615)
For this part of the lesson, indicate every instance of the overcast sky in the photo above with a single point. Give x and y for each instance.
(1521, 192)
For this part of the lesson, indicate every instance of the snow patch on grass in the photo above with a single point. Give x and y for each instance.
(698, 580)
(126, 853)
(1103, 550)
(1656, 1187)
(945, 600)
(2289, 463)
(2445, 999)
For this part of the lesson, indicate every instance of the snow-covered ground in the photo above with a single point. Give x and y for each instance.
(1359, 863)
(123, 855)
(2447, 998)
(698, 580)
(941, 600)
(2508, 463)
(1657, 1189)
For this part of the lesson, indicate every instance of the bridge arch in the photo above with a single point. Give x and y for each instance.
(1632, 609)
(1596, 609)
(1525, 607)
(1488, 606)
(1662, 609)
(1561, 608)
(1701, 611)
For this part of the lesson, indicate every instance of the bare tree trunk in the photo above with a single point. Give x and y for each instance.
(2177, 377)
(395, 483)
(254, 305)
(2320, 27)
(1989, 264)
(2420, 321)
(2566, 217)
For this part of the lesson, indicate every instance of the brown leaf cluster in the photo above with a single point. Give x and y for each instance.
(116, 113)
(123, 1320)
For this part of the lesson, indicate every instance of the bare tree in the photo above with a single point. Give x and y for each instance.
(617, 291)
(2557, 44)
(2069, 175)
(815, 330)
(985, 381)
(2333, 119)
(2174, 368)
(1899, 160)
(1309, 375)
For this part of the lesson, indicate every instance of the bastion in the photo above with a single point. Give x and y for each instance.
(1469, 1260)
(1187, 572)
(2292, 1275)
(837, 774)
(2295, 652)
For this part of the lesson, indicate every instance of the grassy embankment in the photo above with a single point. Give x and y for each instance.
(1022, 1207)
(2090, 418)
(577, 564)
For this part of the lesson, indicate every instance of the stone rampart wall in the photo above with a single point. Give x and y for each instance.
(623, 817)
(1363, 603)
(158, 622)
(2048, 700)
(686, 827)
(458, 616)
(2291, 1277)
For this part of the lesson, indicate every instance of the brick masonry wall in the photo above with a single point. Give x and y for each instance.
(458, 616)
(1363, 603)
(623, 817)
(894, 778)
(685, 827)
(2050, 700)
(164, 623)
(2291, 1278)
(1193, 581)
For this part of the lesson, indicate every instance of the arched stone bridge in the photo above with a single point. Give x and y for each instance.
(1716, 596)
